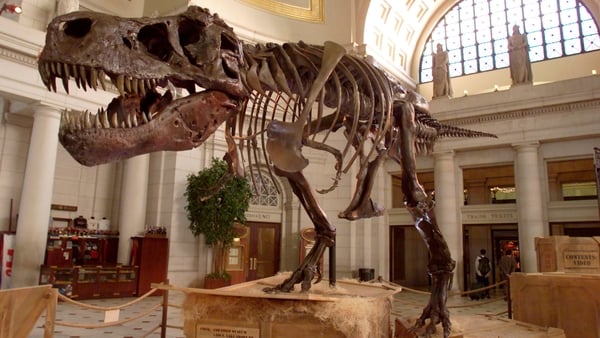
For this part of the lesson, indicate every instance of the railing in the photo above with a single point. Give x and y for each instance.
(164, 304)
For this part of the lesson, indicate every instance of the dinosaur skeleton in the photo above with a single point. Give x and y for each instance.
(274, 100)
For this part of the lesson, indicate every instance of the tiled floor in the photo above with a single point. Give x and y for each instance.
(407, 303)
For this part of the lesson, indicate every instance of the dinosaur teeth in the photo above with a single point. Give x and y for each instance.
(120, 83)
(104, 119)
(97, 123)
(114, 122)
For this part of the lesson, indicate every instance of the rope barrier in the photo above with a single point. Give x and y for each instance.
(118, 322)
(461, 293)
(105, 308)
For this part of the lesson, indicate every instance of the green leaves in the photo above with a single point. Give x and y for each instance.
(216, 199)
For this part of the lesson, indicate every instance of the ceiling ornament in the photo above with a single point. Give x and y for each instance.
(308, 10)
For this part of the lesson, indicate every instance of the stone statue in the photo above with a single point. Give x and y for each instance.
(518, 51)
(441, 74)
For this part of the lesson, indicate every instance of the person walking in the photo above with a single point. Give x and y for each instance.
(507, 266)
(483, 271)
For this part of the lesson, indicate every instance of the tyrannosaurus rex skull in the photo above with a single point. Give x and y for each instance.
(143, 57)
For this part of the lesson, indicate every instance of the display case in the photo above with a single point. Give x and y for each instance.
(72, 249)
(88, 282)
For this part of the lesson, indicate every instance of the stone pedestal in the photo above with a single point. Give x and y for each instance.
(482, 326)
(350, 309)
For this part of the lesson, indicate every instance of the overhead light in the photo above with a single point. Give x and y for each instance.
(12, 8)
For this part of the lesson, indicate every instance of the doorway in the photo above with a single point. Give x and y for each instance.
(257, 252)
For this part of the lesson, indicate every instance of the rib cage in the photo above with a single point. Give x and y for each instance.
(361, 96)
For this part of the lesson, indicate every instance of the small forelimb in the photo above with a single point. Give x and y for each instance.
(338, 162)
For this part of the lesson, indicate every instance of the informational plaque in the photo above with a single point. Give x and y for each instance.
(229, 331)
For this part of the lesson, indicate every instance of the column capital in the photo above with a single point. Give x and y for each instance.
(444, 154)
(526, 145)
(42, 108)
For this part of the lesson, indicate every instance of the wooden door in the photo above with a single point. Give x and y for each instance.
(264, 249)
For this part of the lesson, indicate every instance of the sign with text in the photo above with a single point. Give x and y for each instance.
(229, 331)
(577, 259)
(7, 254)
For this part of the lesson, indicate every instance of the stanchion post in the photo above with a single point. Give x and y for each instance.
(165, 308)
(508, 298)
(52, 301)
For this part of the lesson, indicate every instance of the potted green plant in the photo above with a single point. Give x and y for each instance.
(216, 199)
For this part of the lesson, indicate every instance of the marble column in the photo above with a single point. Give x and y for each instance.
(530, 212)
(134, 196)
(36, 197)
(447, 207)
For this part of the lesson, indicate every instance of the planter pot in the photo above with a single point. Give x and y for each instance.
(215, 283)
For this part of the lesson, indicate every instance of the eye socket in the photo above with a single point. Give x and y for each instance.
(77, 28)
(189, 31)
(156, 40)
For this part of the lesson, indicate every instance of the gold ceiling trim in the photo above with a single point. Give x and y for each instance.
(312, 13)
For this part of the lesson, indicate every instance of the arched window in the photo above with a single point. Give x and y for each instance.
(475, 33)
(264, 191)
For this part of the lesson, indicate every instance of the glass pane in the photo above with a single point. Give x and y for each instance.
(482, 22)
(453, 43)
(438, 34)
(549, 7)
(588, 28)
(533, 24)
(552, 35)
(497, 6)
(566, 4)
(468, 39)
(571, 31)
(515, 15)
(572, 46)
(485, 49)
(466, 10)
(584, 14)
(469, 53)
(535, 39)
(486, 63)
(531, 10)
(501, 45)
(452, 30)
(481, 9)
(470, 66)
(499, 32)
(467, 26)
(454, 56)
(483, 35)
(513, 3)
(426, 76)
(550, 20)
(452, 16)
(456, 69)
(591, 43)
(554, 50)
(501, 60)
(536, 53)
(568, 16)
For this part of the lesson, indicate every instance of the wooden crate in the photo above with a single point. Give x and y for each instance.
(568, 254)
(351, 309)
(567, 301)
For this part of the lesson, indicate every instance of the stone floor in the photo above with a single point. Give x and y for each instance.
(408, 303)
